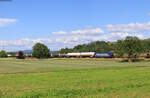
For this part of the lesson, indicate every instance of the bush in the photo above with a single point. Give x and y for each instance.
(3, 54)
(20, 55)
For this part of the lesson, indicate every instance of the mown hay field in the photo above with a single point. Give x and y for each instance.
(74, 78)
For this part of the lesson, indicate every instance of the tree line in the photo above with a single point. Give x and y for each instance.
(97, 46)
(130, 47)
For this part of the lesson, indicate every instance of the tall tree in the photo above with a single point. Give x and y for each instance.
(3, 54)
(119, 48)
(131, 46)
(146, 46)
(40, 51)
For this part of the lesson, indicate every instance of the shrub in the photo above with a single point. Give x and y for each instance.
(20, 55)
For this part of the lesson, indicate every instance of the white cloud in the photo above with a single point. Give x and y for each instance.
(120, 31)
(7, 21)
(86, 31)
(59, 33)
(120, 35)
(89, 31)
(130, 28)
(25, 43)
(78, 36)
(75, 37)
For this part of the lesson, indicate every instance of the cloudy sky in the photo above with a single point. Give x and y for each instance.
(65, 23)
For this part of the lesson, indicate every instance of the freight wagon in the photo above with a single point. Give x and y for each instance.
(89, 54)
(81, 54)
(104, 55)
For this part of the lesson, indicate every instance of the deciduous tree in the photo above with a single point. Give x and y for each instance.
(40, 51)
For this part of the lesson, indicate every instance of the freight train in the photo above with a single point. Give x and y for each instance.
(88, 54)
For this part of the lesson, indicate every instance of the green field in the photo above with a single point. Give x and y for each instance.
(74, 78)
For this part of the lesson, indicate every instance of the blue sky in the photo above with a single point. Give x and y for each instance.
(65, 23)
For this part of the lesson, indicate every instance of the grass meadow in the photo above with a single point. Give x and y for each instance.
(74, 78)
